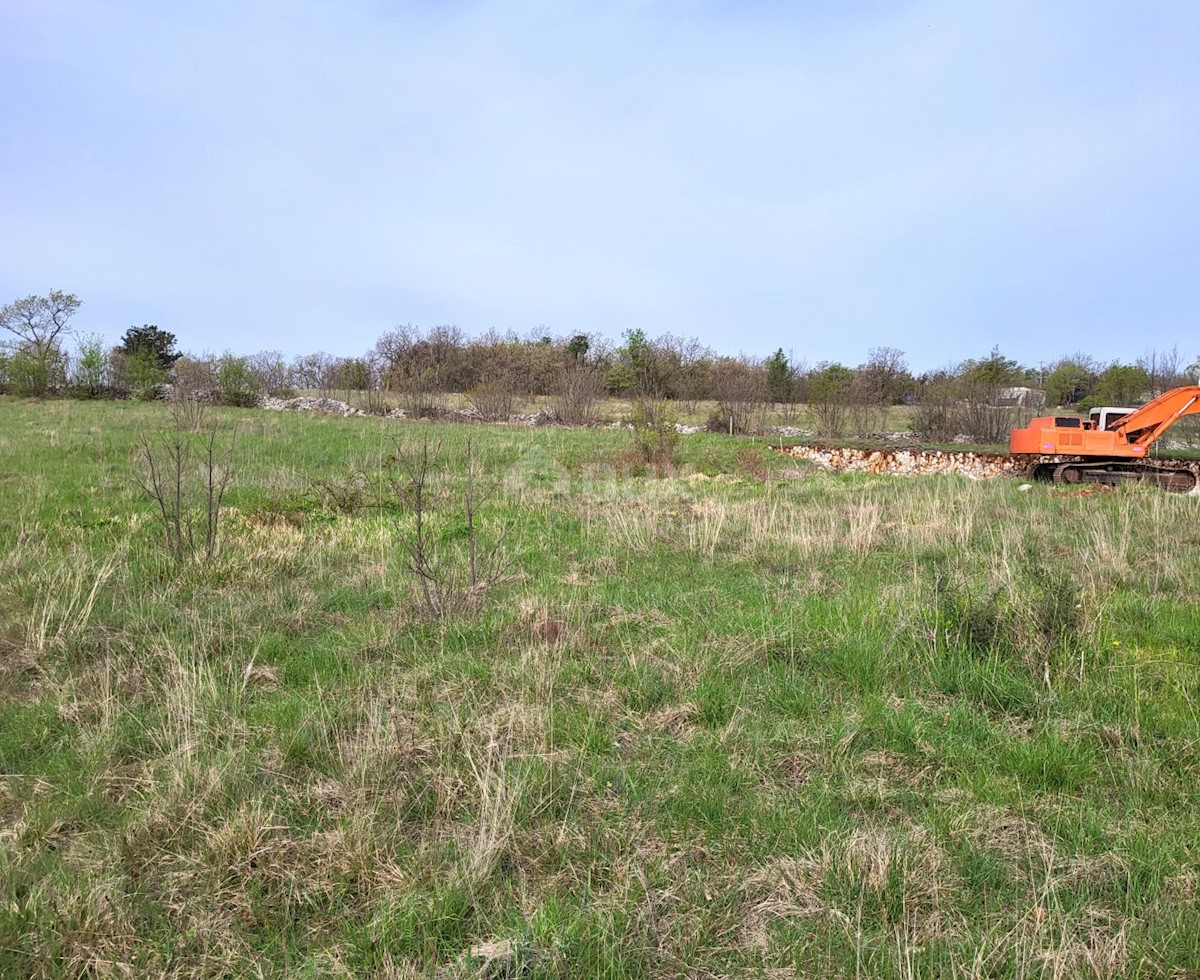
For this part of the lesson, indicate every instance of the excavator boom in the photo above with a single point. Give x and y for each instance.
(1146, 424)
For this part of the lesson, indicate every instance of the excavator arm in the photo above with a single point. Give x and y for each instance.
(1147, 424)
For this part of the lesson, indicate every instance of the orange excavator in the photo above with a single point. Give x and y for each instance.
(1111, 445)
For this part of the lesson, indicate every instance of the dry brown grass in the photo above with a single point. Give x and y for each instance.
(907, 869)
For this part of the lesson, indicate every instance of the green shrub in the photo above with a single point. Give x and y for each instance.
(1025, 609)
(655, 436)
(237, 384)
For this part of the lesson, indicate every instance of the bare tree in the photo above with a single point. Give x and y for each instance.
(314, 372)
(881, 377)
(373, 396)
(692, 363)
(1163, 368)
(409, 362)
(581, 378)
(789, 411)
(274, 373)
(740, 388)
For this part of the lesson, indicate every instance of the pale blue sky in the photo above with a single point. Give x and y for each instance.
(935, 176)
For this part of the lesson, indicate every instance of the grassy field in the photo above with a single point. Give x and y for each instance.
(744, 719)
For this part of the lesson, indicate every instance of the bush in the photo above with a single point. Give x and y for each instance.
(34, 373)
(237, 384)
(420, 403)
(978, 417)
(655, 436)
(492, 401)
(578, 388)
(1029, 611)
(194, 379)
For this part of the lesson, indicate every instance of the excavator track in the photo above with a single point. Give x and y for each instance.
(1112, 474)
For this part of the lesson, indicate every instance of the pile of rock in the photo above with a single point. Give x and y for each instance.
(306, 403)
(913, 462)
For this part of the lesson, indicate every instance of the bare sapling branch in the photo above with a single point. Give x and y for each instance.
(218, 471)
(450, 577)
(186, 474)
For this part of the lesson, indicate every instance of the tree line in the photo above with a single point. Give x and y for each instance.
(419, 368)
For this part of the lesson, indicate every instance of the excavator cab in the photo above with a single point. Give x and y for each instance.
(1103, 419)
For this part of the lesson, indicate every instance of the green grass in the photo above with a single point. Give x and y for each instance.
(746, 719)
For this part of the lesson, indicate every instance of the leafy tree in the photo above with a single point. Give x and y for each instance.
(620, 379)
(91, 366)
(35, 372)
(354, 374)
(143, 373)
(578, 346)
(1070, 382)
(147, 337)
(39, 322)
(994, 371)
(642, 359)
(236, 382)
(829, 391)
(1121, 384)
(781, 381)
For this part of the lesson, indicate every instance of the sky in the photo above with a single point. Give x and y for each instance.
(824, 178)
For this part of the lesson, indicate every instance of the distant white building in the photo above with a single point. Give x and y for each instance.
(1021, 397)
